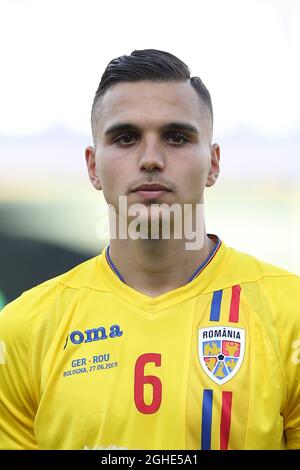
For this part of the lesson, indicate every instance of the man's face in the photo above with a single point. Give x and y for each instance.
(152, 132)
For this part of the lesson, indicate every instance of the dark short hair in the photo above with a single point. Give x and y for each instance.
(150, 64)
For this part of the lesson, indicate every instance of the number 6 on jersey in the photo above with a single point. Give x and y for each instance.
(140, 380)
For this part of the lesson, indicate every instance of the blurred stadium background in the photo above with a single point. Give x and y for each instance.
(51, 217)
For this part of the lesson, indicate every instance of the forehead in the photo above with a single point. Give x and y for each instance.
(149, 103)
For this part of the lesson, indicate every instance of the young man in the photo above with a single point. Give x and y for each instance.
(154, 344)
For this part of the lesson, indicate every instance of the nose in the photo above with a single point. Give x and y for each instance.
(151, 157)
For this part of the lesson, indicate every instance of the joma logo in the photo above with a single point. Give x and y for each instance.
(95, 334)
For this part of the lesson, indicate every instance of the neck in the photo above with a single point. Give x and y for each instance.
(155, 267)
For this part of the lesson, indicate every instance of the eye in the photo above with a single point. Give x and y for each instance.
(125, 139)
(176, 139)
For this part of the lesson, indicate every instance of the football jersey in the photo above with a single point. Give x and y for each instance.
(87, 362)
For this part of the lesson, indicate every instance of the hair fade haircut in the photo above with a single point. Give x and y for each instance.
(153, 65)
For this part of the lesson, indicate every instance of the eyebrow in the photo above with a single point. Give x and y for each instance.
(127, 127)
(181, 126)
(120, 127)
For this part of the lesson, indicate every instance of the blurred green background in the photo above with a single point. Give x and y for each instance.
(52, 218)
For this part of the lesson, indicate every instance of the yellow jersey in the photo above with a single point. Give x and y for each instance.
(88, 362)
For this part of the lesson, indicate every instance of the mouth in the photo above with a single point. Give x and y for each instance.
(151, 191)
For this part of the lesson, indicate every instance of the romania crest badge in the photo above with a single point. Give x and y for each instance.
(221, 352)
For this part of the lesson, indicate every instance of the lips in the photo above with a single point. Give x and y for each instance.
(151, 187)
(151, 191)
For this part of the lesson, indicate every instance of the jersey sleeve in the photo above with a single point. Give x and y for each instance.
(17, 398)
(285, 292)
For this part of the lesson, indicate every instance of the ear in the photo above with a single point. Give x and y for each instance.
(214, 165)
(90, 157)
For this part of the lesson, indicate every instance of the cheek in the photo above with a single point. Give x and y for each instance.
(193, 175)
(112, 177)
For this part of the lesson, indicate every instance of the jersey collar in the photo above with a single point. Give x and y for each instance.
(200, 280)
